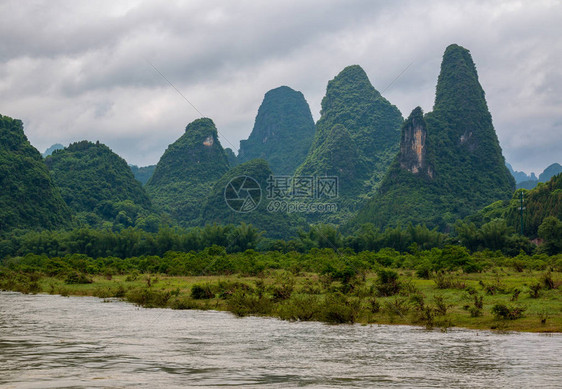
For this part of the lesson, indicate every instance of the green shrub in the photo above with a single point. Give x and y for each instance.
(398, 306)
(374, 305)
(77, 278)
(475, 311)
(243, 303)
(339, 309)
(440, 305)
(300, 307)
(225, 288)
(424, 271)
(387, 283)
(447, 281)
(183, 302)
(133, 276)
(147, 297)
(548, 282)
(505, 312)
(534, 290)
(200, 292)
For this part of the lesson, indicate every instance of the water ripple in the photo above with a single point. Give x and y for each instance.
(82, 342)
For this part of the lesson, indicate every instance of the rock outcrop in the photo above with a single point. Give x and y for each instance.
(413, 148)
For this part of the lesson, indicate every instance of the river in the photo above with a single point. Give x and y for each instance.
(85, 342)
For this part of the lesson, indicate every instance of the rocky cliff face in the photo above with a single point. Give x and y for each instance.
(413, 149)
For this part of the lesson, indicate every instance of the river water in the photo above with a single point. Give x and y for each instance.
(84, 342)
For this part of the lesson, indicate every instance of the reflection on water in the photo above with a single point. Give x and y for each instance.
(56, 342)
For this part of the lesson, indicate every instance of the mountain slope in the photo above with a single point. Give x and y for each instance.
(463, 168)
(373, 125)
(28, 198)
(97, 184)
(282, 133)
(241, 195)
(187, 171)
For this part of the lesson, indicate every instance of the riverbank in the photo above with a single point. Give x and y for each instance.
(499, 299)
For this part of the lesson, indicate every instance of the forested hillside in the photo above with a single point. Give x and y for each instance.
(99, 186)
(28, 197)
(187, 171)
(282, 133)
(359, 130)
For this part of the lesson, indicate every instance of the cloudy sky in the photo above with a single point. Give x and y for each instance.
(74, 70)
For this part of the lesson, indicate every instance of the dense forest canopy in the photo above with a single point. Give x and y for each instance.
(98, 186)
(28, 196)
(187, 171)
(356, 138)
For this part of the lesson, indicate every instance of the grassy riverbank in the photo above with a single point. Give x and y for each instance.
(501, 298)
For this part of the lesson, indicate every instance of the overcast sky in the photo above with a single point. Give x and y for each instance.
(74, 70)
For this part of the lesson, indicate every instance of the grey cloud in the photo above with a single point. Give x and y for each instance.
(78, 70)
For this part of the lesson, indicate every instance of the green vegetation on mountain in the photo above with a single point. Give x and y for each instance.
(541, 202)
(466, 167)
(231, 157)
(371, 139)
(143, 174)
(28, 197)
(99, 186)
(339, 156)
(241, 196)
(187, 171)
(282, 133)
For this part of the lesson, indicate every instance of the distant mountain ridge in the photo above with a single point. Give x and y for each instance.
(525, 181)
(51, 149)
(143, 173)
